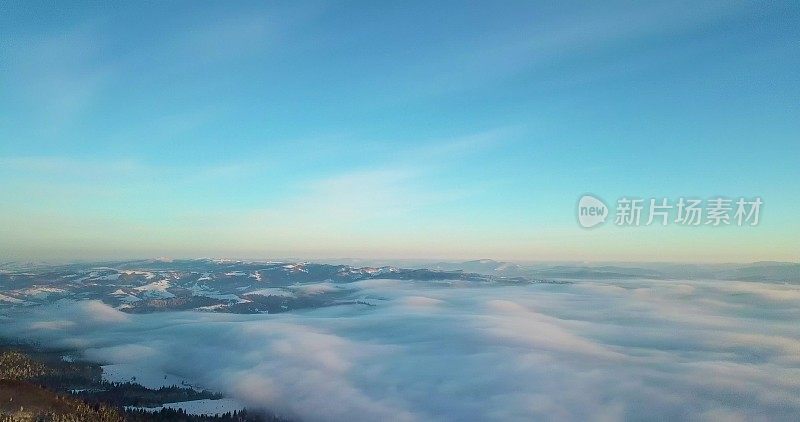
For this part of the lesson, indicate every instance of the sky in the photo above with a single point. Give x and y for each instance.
(446, 130)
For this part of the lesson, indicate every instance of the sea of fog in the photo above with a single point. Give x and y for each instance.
(590, 350)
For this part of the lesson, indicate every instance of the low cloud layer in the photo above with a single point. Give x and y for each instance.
(675, 350)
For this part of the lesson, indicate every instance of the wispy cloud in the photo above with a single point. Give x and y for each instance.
(58, 75)
(546, 40)
(357, 197)
(227, 38)
(68, 166)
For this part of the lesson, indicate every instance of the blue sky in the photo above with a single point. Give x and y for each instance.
(411, 130)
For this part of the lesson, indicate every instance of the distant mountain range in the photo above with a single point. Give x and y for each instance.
(787, 272)
(270, 287)
(213, 285)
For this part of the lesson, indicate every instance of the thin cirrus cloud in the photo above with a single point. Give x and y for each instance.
(546, 40)
(27, 166)
(57, 76)
(65, 74)
(339, 206)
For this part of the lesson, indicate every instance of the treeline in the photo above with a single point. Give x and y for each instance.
(132, 394)
(37, 385)
(173, 415)
(17, 366)
(24, 401)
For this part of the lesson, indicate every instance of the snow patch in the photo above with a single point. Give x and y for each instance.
(152, 379)
(316, 288)
(9, 299)
(199, 407)
(156, 289)
(42, 292)
(271, 291)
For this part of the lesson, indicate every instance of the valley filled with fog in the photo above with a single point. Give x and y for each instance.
(463, 348)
